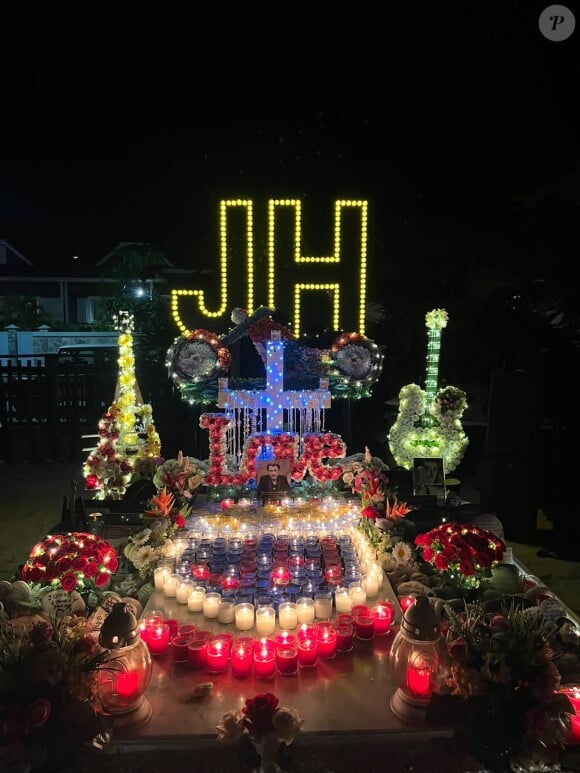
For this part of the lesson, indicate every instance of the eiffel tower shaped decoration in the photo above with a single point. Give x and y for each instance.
(127, 434)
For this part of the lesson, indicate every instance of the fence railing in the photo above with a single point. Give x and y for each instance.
(46, 407)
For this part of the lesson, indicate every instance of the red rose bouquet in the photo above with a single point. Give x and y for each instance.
(462, 553)
(73, 561)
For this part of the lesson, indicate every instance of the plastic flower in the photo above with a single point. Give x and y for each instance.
(231, 727)
(287, 722)
(402, 552)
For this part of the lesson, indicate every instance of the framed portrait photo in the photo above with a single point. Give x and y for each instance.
(429, 478)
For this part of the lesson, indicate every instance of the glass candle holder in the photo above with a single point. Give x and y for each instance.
(358, 594)
(287, 660)
(344, 638)
(383, 615)
(342, 601)
(284, 639)
(211, 603)
(187, 629)
(288, 615)
(218, 653)
(160, 573)
(195, 600)
(173, 624)
(323, 605)
(370, 583)
(241, 659)
(197, 650)
(158, 638)
(226, 610)
(244, 615)
(182, 591)
(307, 653)
(364, 627)
(326, 641)
(179, 648)
(304, 610)
(264, 663)
(265, 621)
(170, 585)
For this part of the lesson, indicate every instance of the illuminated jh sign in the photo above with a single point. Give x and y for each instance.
(290, 274)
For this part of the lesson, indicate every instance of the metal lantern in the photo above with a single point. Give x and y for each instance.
(125, 676)
(417, 660)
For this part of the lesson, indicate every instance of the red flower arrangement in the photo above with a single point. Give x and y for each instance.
(461, 552)
(72, 560)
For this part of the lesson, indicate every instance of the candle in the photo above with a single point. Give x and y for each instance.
(226, 611)
(144, 630)
(264, 663)
(230, 582)
(160, 574)
(158, 638)
(360, 609)
(288, 615)
(211, 603)
(358, 594)
(284, 639)
(244, 614)
(405, 602)
(307, 631)
(370, 583)
(364, 627)
(170, 585)
(197, 649)
(344, 620)
(180, 648)
(382, 615)
(127, 684)
(280, 575)
(265, 620)
(419, 681)
(217, 656)
(187, 629)
(342, 601)
(195, 600)
(184, 588)
(287, 660)
(307, 653)
(173, 624)
(344, 638)
(327, 642)
(200, 571)
(323, 605)
(242, 657)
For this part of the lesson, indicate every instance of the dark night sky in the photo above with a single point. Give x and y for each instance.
(130, 124)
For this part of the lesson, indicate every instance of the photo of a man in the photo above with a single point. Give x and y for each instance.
(274, 483)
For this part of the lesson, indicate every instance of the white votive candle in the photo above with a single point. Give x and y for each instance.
(305, 610)
(342, 601)
(288, 615)
(226, 610)
(183, 590)
(210, 605)
(265, 621)
(170, 586)
(160, 574)
(322, 606)
(371, 585)
(195, 600)
(244, 614)
(358, 594)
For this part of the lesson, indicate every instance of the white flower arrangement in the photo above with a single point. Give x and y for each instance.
(445, 438)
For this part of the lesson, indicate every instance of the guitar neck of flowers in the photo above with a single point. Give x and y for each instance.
(429, 421)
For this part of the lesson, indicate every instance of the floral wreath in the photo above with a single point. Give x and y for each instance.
(356, 358)
(197, 356)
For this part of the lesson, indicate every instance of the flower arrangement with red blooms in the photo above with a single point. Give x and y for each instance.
(71, 561)
(266, 723)
(369, 482)
(462, 553)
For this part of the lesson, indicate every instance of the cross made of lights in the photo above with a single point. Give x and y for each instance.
(274, 399)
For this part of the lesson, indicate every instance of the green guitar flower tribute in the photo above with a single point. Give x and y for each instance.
(429, 420)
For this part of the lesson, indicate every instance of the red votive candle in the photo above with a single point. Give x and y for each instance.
(307, 653)
(127, 683)
(241, 658)
(344, 619)
(287, 660)
(227, 638)
(280, 575)
(406, 601)
(333, 575)
(419, 681)
(265, 643)
(327, 642)
(218, 653)
(382, 615)
(200, 571)
(230, 582)
(364, 627)
(173, 626)
(197, 649)
(284, 639)
(360, 609)
(144, 630)
(344, 638)
(179, 648)
(307, 631)
(187, 629)
(264, 663)
(574, 734)
(158, 638)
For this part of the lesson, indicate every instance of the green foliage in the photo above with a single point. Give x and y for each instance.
(24, 312)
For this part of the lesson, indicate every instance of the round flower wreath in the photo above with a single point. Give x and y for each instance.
(356, 358)
(197, 356)
(72, 560)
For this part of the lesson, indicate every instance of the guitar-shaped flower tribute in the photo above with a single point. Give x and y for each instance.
(429, 421)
